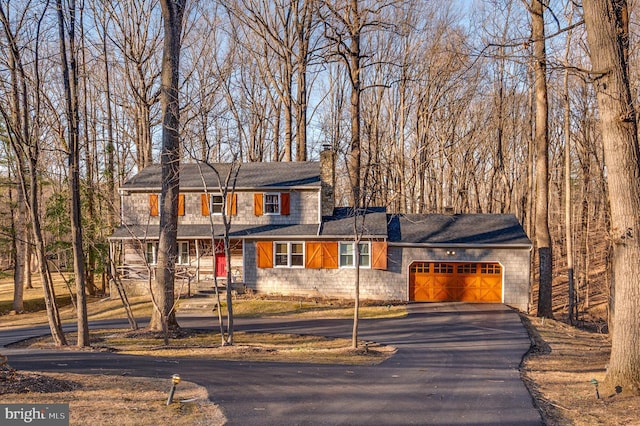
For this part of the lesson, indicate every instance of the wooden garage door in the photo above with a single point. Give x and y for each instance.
(459, 282)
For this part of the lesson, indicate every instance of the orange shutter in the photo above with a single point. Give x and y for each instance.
(285, 203)
(330, 255)
(204, 204)
(153, 204)
(314, 255)
(180, 204)
(379, 255)
(264, 254)
(232, 204)
(257, 204)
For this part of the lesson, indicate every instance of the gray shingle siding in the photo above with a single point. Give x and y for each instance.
(410, 237)
(391, 284)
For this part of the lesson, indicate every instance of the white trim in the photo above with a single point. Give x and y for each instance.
(353, 266)
(181, 252)
(289, 254)
(154, 253)
(264, 204)
(211, 204)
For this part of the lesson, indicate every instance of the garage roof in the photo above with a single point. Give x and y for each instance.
(459, 229)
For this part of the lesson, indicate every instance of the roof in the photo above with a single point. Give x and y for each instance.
(250, 176)
(460, 229)
(141, 232)
(463, 230)
(373, 224)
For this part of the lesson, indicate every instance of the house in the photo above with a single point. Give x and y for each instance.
(287, 237)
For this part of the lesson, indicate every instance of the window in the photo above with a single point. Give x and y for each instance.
(183, 253)
(467, 268)
(490, 268)
(347, 253)
(443, 268)
(217, 204)
(421, 267)
(151, 253)
(271, 203)
(289, 254)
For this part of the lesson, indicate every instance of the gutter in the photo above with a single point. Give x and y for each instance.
(156, 189)
(462, 245)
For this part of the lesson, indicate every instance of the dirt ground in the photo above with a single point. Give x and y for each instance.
(560, 371)
(112, 400)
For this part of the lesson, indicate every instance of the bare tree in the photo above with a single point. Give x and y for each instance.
(607, 23)
(137, 39)
(21, 113)
(70, 83)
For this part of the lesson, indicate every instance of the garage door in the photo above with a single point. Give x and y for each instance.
(460, 282)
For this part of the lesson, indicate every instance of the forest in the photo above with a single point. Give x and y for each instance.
(431, 106)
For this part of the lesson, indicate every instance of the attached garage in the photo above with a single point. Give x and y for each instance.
(455, 282)
(477, 258)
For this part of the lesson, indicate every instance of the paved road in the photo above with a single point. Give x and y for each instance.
(456, 364)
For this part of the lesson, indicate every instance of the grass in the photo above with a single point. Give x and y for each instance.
(141, 401)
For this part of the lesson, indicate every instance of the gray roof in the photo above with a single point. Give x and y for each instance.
(251, 176)
(141, 232)
(469, 230)
(373, 224)
(461, 229)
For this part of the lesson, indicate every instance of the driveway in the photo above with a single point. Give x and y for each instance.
(456, 364)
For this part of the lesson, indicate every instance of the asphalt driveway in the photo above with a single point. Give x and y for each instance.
(456, 364)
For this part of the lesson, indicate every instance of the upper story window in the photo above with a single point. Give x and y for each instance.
(217, 204)
(347, 254)
(214, 204)
(272, 203)
(154, 204)
(289, 254)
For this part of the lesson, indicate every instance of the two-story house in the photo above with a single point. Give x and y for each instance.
(288, 238)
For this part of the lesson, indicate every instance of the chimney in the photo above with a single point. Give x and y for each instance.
(327, 179)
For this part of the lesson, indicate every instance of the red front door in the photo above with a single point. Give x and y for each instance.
(221, 265)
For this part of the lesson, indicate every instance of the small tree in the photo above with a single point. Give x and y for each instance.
(226, 187)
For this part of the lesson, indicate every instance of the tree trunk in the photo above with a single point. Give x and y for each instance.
(543, 236)
(70, 81)
(607, 34)
(20, 246)
(172, 11)
(567, 186)
(23, 137)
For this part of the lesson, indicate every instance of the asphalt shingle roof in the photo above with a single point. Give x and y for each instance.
(464, 229)
(250, 176)
(139, 232)
(343, 220)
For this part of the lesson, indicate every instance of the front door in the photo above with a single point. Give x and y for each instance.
(221, 265)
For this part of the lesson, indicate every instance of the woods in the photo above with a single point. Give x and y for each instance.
(496, 106)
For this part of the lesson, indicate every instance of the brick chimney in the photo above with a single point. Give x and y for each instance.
(327, 179)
